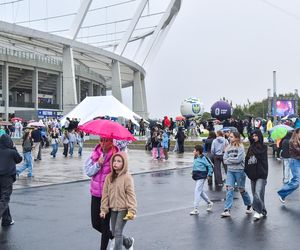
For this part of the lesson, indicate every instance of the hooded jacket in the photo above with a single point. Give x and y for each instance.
(118, 194)
(9, 157)
(256, 161)
(218, 145)
(284, 145)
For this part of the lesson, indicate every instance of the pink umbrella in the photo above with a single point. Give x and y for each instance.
(17, 119)
(107, 129)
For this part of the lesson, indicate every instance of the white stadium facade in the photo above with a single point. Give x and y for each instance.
(55, 53)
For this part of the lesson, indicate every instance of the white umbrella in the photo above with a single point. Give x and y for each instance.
(35, 124)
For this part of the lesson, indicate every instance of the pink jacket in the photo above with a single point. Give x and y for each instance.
(97, 181)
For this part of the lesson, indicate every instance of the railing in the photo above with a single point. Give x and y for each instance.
(48, 106)
(21, 104)
(30, 55)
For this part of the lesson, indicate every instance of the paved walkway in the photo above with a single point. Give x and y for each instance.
(58, 170)
(58, 216)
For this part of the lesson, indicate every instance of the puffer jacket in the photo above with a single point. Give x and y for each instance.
(97, 181)
(118, 192)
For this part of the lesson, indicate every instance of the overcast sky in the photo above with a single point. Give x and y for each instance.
(215, 48)
(226, 48)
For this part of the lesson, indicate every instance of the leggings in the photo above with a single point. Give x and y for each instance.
(101, 225)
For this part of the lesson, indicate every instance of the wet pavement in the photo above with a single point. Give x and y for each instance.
(58, 216)
(62, 169)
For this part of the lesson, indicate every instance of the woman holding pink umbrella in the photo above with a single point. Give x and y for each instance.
(98, 167)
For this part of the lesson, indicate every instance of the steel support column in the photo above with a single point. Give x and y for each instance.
(138, 104)
(59, 91)
(35, 88)
(5, 88)
(91, 89)
(78, 89)
(116, 84)
(69, 85)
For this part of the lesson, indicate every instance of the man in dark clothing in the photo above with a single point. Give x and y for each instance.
(180, 136)
(36, 136)
(9, 157)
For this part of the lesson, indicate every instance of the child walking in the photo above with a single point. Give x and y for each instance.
(118, 197)
(201, 169)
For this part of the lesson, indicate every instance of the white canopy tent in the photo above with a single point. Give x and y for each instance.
(96, 106)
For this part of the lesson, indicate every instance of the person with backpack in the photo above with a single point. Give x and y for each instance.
(234, 158)
(202, 168)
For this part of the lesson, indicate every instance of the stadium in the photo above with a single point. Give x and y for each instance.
(55, 53)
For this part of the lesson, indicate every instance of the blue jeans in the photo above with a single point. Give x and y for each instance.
(71, 144)
(54, 149)
(293, 184)
(239, 178)
(27, 164)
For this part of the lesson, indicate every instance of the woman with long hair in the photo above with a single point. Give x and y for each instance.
(97, 167)
(27, 146)
(234, 158)
(256, 168)
(294, 150)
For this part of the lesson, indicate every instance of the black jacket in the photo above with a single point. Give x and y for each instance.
(257, 168)
(284, 145)
(9, 157)
(36, 135)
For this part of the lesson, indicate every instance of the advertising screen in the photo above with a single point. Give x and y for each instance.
(285, 107)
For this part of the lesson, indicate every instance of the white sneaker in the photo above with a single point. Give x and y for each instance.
(112, 244)
(281, 199)
(131, 247)
(257, 216)
(209, 206)
(194, 212)
(226, 213)
(249, 210)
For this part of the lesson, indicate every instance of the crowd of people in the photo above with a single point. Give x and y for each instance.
(113, 199)
(237, 165)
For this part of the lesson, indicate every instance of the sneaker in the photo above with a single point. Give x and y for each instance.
(249, 210)
(257, 216)
(112, 244)
(281, 199)
(264, 212)
(226, 213)
(209, 206)
(8, 224)
(194, 212)
(132, 243)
